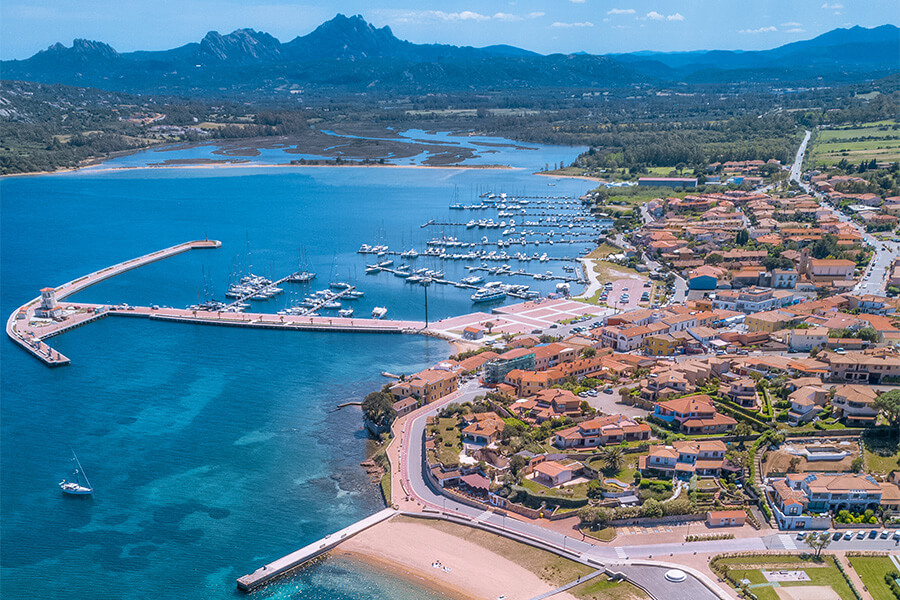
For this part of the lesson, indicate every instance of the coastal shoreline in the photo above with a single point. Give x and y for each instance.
(243, 165)
(400, 571)
(479, 565)
(557, 176)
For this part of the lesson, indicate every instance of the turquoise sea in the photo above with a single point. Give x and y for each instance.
(211, 450)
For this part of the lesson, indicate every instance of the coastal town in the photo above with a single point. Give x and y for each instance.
(728, 381)
(448, 301)
(753, 409)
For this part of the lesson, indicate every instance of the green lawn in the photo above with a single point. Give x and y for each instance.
(608, 271)
(603, 250)
(448, 441)
(386, 488)
(575, 492)
(871, 570)
(603, 588)
(882, 453)
(821, 572)
(607, 534)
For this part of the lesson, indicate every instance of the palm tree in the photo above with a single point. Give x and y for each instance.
(613, 457)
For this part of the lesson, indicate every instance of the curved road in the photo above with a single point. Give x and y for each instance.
(649, 576)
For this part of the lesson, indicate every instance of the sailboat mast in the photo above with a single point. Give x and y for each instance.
(81, 470)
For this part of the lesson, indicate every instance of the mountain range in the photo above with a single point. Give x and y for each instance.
(348, 54)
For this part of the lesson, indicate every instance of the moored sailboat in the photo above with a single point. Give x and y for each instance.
(77, 488)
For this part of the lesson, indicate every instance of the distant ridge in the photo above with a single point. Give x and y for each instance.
(351, 55)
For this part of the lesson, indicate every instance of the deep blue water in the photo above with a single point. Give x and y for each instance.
(211, 450)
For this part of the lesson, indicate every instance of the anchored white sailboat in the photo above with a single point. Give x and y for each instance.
(77, 488)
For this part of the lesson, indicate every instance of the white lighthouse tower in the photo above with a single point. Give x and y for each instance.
(48, 308)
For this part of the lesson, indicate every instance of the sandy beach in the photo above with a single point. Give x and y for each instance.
(467, 570)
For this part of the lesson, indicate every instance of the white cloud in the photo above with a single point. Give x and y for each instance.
(792, 24)
(620, 11)
(577, 1)
(769, 29)
(655, 16)
(439, 16)
(796, 30)
(567, 25)
(833, 6)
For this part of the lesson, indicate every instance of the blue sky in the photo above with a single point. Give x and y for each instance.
(596, 26)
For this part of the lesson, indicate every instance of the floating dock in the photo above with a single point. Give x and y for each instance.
(286, 564)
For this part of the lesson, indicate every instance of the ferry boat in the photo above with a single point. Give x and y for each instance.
(77, 488)
(488, 295)
(378, 312)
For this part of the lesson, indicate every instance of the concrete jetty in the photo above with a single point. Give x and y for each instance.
(286, 564)
(30, 338)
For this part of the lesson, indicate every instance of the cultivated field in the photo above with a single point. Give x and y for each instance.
(879, 140)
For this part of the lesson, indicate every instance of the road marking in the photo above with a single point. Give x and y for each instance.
(620, 551)
(788, 542)
(895, 561)
(483, 516)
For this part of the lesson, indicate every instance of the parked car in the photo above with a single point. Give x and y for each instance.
(861, 535)
(801, 535)
(848, 535)
(836, 536)
(885, 534)
(873, 534)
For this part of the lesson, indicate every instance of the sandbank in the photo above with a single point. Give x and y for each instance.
(558, 176)
(474, 571)
(243, 165)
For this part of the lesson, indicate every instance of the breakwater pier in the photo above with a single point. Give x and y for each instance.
(18, 325)
(48, 315)
(286, 564)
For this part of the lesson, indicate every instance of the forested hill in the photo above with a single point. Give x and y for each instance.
(347, 54)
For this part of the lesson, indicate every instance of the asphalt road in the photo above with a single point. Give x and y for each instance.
(797, 167)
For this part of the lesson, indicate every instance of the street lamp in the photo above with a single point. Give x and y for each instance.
(425, 283)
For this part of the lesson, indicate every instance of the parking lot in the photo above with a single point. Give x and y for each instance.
(626, 294)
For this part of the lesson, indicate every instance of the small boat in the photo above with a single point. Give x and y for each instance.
(77, 488)
(345, 312)
(378, 312)
(488, 295)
